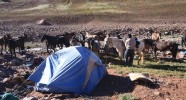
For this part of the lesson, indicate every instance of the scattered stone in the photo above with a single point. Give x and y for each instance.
(30, 98)
(181, 55)
(43, 22)
(2, 88)
(168, 53)
(2, 74)
(139, 76)
(16, 62)
(6, 80)
(157, 93)
(167, 99)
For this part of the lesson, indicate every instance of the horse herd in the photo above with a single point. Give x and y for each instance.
(13, 43)
(96, 43)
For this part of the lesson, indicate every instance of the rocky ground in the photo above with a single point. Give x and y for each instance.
(12, 75)
(13, 72)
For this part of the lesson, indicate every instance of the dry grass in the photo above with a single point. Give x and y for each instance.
(133, 9)
(165, 68)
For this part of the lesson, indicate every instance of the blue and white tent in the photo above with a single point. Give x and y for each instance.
(70, 70)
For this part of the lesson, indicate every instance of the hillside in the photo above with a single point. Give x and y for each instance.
(104, 10)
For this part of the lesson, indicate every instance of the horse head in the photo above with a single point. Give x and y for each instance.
(75, 42)
(66, 42)
(25, 36)
(108, 41)
(156, 36)
(43, 37)
(69, 35)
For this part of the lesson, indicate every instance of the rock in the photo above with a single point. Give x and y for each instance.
(43, 22)
(5, 80)
(136, 76)
(168, 53)
(16, 62)
(157, 93)
(181, 55)
(2, 74)
(2, 88)
(30, 98)
(5, 64)
(167, 99)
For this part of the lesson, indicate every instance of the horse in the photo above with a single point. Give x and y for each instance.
(116, 43)
(156, 36)
(183, 40)
(1, 44)
(95, 37)
(75, 42)
(51, 41)
(6, 40)
(22, 40)
(62, 40)
(93, 45)
(14, 43)
(166, 45)
(143, 46)
(78, 38)
(100, 36)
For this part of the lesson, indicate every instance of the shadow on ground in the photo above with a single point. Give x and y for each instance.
(167, 67)
(112, 84)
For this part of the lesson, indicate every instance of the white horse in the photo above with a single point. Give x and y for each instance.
(120, 47)
(116, 43)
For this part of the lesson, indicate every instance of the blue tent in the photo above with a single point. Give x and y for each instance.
(70, 70)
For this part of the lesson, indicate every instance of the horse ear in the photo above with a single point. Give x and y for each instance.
(107, 35)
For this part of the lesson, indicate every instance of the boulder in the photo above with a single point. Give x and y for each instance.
(140, 76)
(43, 22)
(181, 55)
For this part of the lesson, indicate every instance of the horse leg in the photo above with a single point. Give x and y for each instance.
(10, 52)
(47, 47)
(61, 45)
(23, 46)
(143, 57)
(1, 49)
(54, 46)
(141, 54)
(155, 53)
(5, 47)
(120, 55)
(19, 49)
(14, 52)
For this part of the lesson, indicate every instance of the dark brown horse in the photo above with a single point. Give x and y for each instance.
(51, 41)
(62, 40)
(1, 44)
(17, 42)
(6, 39)
(22, 40)
(166, 45)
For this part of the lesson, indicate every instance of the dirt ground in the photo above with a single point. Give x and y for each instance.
(166, 88)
